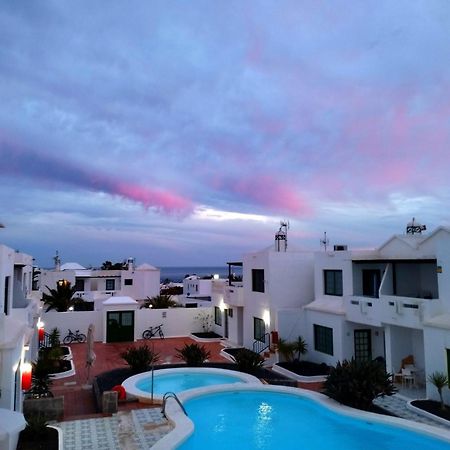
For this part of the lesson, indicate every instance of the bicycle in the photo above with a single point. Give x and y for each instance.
(74, 337)
(152, 331)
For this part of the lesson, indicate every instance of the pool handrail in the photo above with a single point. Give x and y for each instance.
(168, 395)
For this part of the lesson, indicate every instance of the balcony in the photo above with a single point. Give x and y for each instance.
(234, 295)
(407, 311)
(364, 310)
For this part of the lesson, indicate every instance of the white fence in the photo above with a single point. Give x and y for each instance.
(175, 321)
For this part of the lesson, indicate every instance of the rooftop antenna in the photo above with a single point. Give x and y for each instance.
(281, 237)
(415, 227)
(57, 261)
(324, 241)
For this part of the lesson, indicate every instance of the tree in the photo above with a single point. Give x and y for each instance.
(358, 383)
(160, 302)
(439, 380)
(300, 347)
(108, 265)
(286, 349)
(60, 298)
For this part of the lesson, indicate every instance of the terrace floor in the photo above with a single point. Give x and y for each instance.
(77, 389)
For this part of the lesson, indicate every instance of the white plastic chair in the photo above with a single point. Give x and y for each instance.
(408, 377)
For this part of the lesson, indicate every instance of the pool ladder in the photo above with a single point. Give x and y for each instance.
(168, 395)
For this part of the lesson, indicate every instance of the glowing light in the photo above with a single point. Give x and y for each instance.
(220, 216)
(26, 376)
(266, 317)
(216, 276)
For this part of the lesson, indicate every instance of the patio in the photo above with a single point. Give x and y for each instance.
(77, 391)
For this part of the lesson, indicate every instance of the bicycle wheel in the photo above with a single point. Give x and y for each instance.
(161, 334)
(67, 340)
(81, 338)
(147, 334)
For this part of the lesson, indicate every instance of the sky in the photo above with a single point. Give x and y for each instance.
(182, 132)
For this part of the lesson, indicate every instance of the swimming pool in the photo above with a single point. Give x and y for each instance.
(269, 417)
(181, 379)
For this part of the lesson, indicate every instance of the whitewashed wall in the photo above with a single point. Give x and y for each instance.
(176, 321)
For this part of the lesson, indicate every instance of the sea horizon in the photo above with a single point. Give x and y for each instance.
(176, 274)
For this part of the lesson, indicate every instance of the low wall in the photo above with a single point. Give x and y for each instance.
(52, 408)
(176, 321)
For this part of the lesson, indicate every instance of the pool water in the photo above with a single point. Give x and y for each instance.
(177, 382)
(262, 420)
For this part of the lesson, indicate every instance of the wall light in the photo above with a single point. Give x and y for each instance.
(26, 376)
(266, 317)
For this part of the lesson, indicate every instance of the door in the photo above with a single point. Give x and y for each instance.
(119, 326)
(226, 324)
(371, 282)
(363, 345)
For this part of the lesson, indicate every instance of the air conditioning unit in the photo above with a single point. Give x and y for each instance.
(340, 248)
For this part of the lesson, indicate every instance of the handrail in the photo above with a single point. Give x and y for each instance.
(259, 345)
(45, 341)
(168, 395)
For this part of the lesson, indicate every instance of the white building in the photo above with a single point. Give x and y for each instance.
(19, 314)
(196, 291)
(392, 302)
(276, 282)
(97, 285)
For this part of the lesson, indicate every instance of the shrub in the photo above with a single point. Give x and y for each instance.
(358, 383)
(286, 349)
(36, 426)
(193, 354)
(140, 359)
(248, 361)
(40, 378)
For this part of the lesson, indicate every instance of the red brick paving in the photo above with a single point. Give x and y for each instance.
(79, 402)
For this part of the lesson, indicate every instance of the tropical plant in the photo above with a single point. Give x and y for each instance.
(300, 347)
(54, 338)
(60, 298)
(36, 427)
(358, 383)
(160, 302)
(79, 304)
(193, 354)
(439, 380)
(206, 320)
(286, 349)
(140, 359)
(248, 361)
(40, 378)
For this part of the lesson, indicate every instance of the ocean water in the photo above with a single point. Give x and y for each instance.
(177, 274)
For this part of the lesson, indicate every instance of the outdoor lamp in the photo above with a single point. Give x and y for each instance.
(41, 331)
(26, 376)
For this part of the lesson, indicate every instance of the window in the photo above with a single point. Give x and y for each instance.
(259, 329)
(111, 285)
(79, 284)
(323, 339)
(333, 282)
(230, 312)
(217, 316)
(5, 305)
(258, 280)
(128, 282)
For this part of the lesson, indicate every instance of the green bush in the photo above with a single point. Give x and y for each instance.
(248, 361)
(41, 379)
(140, 359)
(193, 354)
(358, 383)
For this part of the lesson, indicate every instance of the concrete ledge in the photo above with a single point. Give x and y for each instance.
(421, 412)
(301, 378)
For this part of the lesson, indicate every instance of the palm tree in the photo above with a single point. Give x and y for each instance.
(286, 349)
(60, 298)
(300, 347)
(440, 380)
(160, 302)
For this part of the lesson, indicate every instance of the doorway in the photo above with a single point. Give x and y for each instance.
(363, 345)
(371, 282)
(119, 326)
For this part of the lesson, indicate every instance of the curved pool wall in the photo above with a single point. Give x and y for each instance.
(184, 426)
(139, 385)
